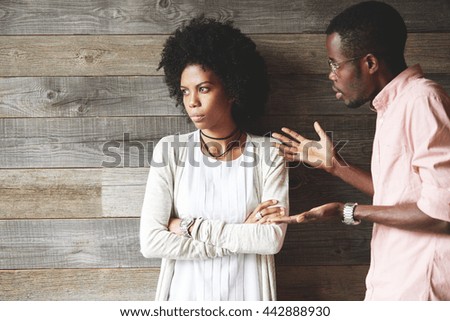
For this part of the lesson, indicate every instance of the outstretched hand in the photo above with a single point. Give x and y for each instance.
(327, 212)
(296, 148)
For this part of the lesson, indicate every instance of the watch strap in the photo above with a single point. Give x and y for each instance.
(348, 214)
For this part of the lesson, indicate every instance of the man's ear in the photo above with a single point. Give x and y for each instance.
(372, 63)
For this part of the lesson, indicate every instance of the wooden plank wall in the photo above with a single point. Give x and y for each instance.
(79, 79)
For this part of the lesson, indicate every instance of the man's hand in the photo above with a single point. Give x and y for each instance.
(296, 148)
(327, 212)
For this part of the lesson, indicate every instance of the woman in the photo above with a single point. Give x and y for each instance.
(207, 189)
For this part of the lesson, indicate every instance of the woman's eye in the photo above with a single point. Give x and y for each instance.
(203, 89)
(184, 92)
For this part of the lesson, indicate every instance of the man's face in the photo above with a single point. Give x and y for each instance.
(350, 81)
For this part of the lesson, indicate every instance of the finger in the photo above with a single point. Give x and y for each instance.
(289, 157)
(274, 211)
(279, 219)
(322, 134)
(268, 218)
(293, 134)
(264, 205)
(280, 137)
(285, 141)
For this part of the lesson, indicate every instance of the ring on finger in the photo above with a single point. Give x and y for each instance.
(258, 216)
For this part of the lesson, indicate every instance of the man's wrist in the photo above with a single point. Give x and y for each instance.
(348, 214)
(336, 164)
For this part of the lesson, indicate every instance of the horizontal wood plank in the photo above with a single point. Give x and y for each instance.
(79, 284)
(128, 141)
(114, 243)
(321, 283)
(148, 96)
(326, 244)
(69, 243)
(119, 192)
(156, 16)
(138, 55)
(72, 193)
(83, 142)
(294, 283)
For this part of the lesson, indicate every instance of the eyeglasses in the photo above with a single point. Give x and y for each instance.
(336, 65)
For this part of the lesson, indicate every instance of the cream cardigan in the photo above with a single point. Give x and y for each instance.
(210, 238)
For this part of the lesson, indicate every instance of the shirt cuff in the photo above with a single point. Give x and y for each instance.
(435, 202)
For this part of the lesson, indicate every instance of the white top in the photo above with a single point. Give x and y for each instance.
(217, 190)
(224, 259)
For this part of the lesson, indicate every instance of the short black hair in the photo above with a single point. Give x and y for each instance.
(231, 55)
(372, 27)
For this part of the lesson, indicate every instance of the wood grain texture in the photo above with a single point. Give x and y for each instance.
(296, 283)
(71, 193)
(163, 16)
(83, 142)
(316, 283)
(138, 55)
(77, 76)
(79, 284)
(85, 97)
(326, 244)
(119, 192)
(114, 243)
(128, 141)
(148, 96)
(52, 193)
(69, 243)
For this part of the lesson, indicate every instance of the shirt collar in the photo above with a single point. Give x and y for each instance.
(396, 85)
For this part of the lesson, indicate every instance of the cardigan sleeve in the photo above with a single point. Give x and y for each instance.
(253, 238)
(155, 238)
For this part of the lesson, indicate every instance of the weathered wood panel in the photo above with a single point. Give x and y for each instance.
(79, 284)
(80, 142)
(114, 243)
(52, 193)
(85, 74)
(85, 97)
(139, 55)
(119, 192)
(99, 142)
(296, 283)
(148, 96)
(158, 16)
(85, 243)
(326, 244)
(71, 193)
(314, 283)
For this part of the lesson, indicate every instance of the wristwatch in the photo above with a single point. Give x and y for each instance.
(185, 224)
(348, 214)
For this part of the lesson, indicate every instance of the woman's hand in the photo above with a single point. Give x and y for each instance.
(174, 225)
(296, 148)
(265, 211)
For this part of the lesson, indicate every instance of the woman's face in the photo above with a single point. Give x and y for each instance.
(206, 101)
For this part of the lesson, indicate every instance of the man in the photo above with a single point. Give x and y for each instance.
(410, 181)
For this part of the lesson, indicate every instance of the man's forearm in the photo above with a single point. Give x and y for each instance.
(405, 216)
(352, 175)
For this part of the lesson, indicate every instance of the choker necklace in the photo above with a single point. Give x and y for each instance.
(227, 150)
(220, 138)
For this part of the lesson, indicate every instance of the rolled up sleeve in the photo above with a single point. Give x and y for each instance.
(432, 157)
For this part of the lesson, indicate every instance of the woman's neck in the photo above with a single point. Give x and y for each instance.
(223, 145)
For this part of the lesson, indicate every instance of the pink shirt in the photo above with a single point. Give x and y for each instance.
(411, 164)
